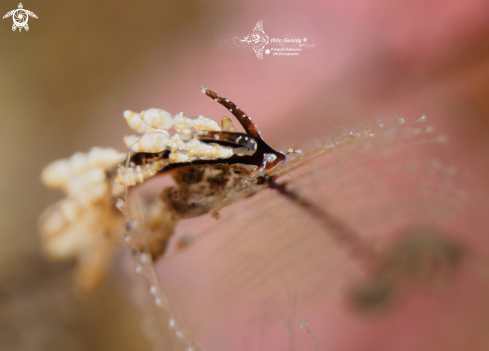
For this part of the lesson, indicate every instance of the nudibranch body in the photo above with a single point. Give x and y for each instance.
(212, 164)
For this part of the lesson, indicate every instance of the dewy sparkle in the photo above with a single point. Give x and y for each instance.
(319, 196)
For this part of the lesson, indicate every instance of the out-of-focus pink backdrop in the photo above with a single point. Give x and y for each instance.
(65, 83)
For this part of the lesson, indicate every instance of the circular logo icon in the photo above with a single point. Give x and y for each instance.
(20, 17)
(267, 51)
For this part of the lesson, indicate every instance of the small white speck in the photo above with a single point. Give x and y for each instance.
(139, 269)
(145, 258)
(120, 205)
(400, 120)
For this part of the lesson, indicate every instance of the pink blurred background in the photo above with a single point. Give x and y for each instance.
(65, 83)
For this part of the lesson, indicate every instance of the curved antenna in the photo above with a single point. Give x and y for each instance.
(245, 120)
(266, 157)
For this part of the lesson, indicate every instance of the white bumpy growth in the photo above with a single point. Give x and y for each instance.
(154, 125)
(86, 225)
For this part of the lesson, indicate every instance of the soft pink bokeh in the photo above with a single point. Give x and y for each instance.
(66, 82)
(377, 58)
